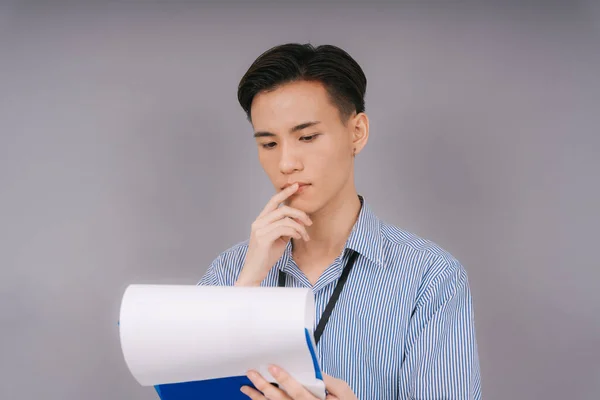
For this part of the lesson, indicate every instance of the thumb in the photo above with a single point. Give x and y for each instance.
(335, 387)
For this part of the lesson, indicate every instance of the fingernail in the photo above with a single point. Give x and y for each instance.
(274, 371)
(244, 390)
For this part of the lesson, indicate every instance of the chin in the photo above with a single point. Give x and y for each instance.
(307, 205)
(300, 204)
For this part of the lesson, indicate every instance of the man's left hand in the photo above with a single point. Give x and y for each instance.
(292, 390)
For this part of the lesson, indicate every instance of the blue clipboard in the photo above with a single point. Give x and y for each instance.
(222, 388)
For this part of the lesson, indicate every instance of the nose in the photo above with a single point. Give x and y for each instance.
(290, 160)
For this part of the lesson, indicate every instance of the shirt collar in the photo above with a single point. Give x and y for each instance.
(365, 238)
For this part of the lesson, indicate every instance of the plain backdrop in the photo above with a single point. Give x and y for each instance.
(125, 158)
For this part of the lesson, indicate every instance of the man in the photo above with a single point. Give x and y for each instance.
(402, 326)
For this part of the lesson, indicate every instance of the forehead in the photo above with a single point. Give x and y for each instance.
(292, 104)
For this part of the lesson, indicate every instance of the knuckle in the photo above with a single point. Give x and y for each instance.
(262, 385)
(285, 222)
(284, 379)
(257, 223)
(252, 395)
(260, 238)
(297, 392)
(285, 210)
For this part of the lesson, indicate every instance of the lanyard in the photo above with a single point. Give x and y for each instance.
(334, 297)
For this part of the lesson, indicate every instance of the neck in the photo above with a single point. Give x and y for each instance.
(330, 229)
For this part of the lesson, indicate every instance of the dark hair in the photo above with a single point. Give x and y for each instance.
(341, 75)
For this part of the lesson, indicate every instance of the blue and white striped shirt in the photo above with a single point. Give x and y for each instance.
(403, 325)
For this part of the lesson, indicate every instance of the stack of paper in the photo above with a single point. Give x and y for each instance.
(196, 342)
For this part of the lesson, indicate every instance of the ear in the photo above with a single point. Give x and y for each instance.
(359, 125)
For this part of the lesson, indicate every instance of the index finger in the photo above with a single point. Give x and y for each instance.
(278, 198)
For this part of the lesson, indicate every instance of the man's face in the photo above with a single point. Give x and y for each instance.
(301, 138)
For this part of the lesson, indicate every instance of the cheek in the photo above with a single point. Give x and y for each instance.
(269, 164)
(334, 154)
(331, 166)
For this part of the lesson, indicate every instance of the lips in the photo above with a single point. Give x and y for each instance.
(300, 185)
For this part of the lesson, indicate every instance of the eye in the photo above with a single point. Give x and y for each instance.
(309, 138)
(269, 145)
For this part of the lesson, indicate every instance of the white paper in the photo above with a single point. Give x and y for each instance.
(182, 333)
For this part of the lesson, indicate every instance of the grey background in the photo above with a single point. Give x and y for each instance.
(125, 158)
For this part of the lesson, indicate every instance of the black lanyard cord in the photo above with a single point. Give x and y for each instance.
(334, 297)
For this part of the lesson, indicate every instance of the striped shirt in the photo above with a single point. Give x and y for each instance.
(403, 326)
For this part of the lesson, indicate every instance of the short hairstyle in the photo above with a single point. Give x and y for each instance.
(339, 73)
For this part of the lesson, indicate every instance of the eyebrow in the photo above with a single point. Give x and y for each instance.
(296, 128)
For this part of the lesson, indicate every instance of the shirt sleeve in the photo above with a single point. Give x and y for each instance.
(441, 360)
(213, 275)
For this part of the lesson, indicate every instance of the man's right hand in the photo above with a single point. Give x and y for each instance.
(271, 231)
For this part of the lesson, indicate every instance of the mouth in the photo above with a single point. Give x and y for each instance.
(301, 185)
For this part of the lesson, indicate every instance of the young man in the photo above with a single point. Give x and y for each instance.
(402, 326)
